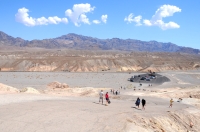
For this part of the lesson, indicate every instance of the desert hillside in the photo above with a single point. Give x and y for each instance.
(33, 59)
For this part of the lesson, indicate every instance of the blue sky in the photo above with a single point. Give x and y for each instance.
(173, 21)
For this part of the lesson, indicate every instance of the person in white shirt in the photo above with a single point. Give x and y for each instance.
(101, 96)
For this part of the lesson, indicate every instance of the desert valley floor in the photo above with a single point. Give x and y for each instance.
(30, 101)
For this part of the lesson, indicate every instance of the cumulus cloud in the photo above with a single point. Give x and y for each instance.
(147, 22)
(78, 13)
(96, 21)
(162, 12)
(136, 19)
(104, 18)
(22, 16)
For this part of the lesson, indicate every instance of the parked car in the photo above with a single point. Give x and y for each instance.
(148, 79)
(152, 77)
(132, 79)
(143, 78)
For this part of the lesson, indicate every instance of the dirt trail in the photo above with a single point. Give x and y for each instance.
(72, 103)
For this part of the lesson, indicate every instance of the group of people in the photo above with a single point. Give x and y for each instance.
(115, 92)
(137, 103)
(108, 100)
(106, 96)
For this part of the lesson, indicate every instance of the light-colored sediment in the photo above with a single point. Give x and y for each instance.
(65, 103)
(29, 90)
(7, 89)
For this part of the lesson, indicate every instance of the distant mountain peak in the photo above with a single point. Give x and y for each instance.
(80, 42)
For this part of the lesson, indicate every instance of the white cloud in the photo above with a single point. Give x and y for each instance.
(147, 22)
(96, 21)
(54, 20)
(104, 18)
(136, 19)
(23, 17)
(84, 19)
(78, 13)
(65, 20)
(162, 12)
(41, 21)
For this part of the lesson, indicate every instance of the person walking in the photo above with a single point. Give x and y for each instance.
(171, 103)
(137, 103)
(143, 103)
(107, 98)
(101, 96)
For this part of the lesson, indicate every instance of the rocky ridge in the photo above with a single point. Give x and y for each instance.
(80, 42)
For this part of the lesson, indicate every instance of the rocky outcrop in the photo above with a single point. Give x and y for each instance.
(29, 90)
(55, 85)
(182, 121)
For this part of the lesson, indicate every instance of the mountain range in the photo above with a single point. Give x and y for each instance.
(80, 42)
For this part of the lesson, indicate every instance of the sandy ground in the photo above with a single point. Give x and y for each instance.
(35, 107)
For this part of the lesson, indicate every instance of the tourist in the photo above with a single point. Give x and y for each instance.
(101, 96)
(143, 103)
(107, 98)
(171, 103)
(137, 103)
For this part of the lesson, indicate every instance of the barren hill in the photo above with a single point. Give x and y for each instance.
(95, 61)
(74, 41)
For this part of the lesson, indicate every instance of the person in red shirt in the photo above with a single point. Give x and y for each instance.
(107, 98)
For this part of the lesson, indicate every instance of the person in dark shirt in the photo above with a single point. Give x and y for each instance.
(137, 103)
(143, 103)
